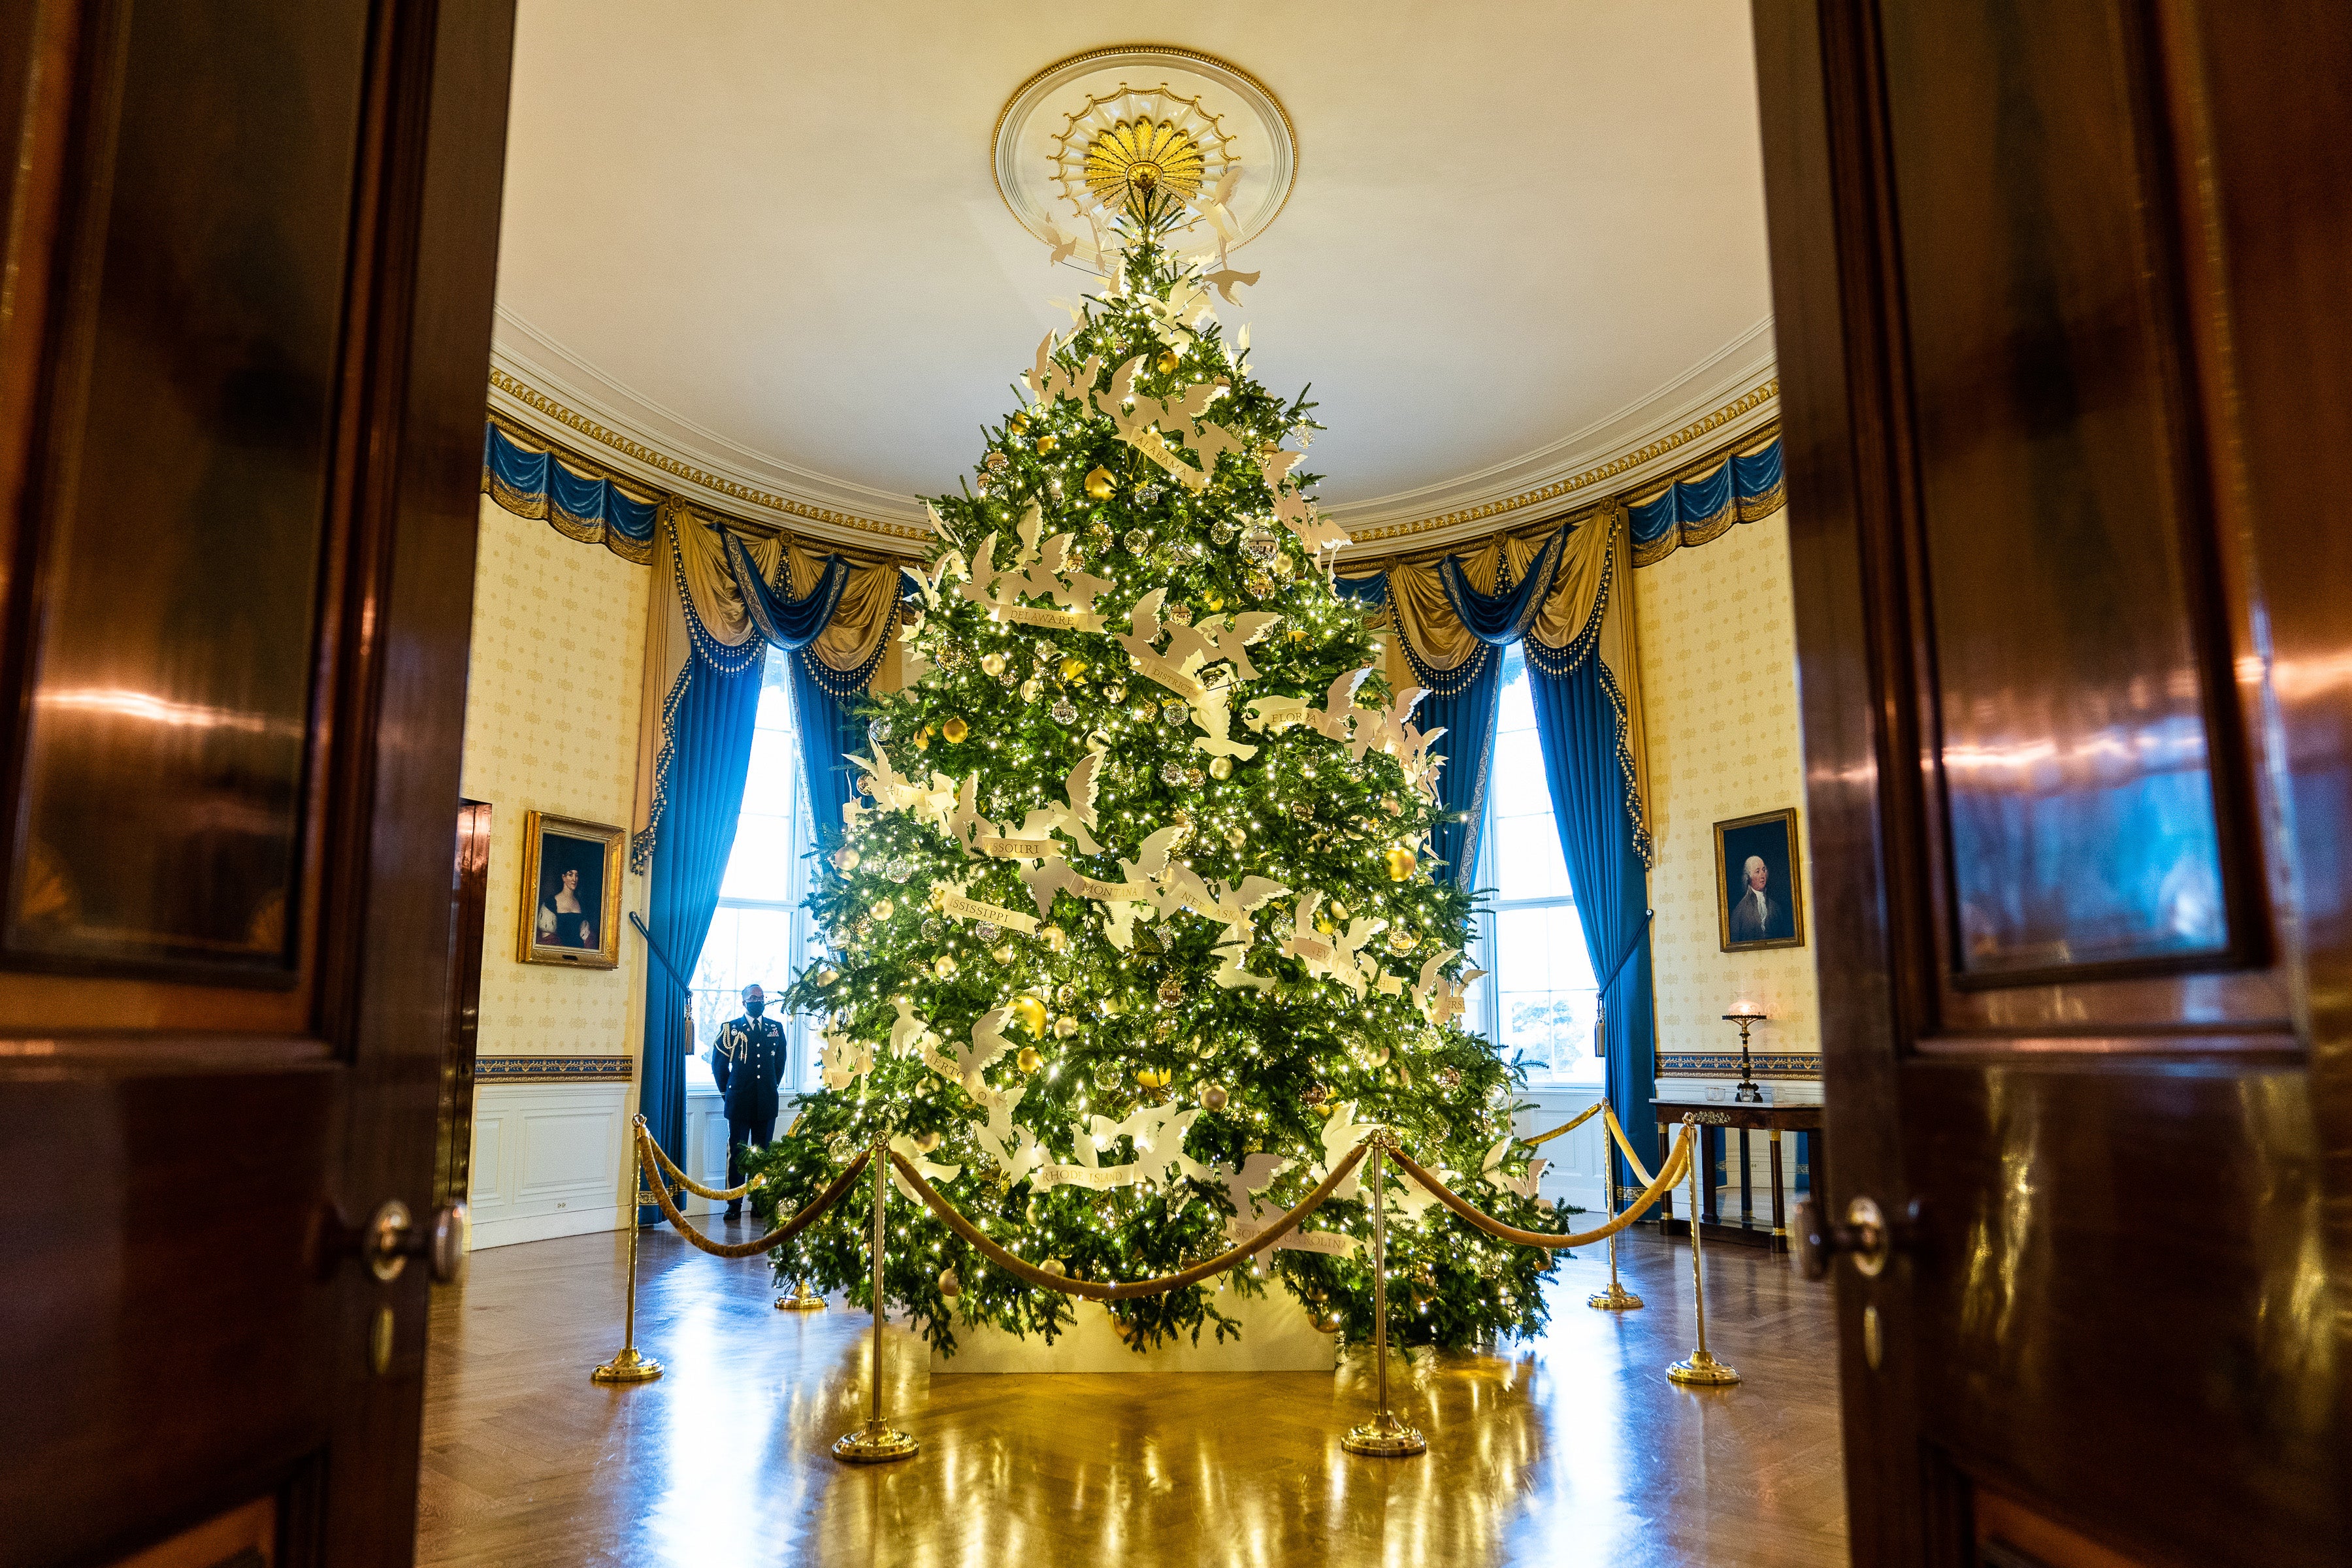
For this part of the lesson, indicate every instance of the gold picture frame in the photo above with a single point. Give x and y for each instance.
(1771, 837)
(593, 854)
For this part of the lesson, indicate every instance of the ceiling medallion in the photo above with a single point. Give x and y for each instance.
(1143, 130)
(1152, 168)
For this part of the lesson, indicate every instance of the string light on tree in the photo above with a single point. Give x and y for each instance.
(1171, 939)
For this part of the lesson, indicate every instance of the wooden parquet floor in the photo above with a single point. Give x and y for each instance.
(1570, 1448)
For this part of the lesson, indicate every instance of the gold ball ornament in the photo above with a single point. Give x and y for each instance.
(1402, 863)
(1046, 444)
(1032, 688)
(1064, 1027)
(1166, 361)
(1019, 422)
(1029, 1013)
(955, 730)
(944, 965)
(1054, 1266)
(844, 858)
(992, 663)
(1220, 767)
(1214, 1097)
(884, 909)
(1003, 953)
(949, 1285)
(1054, 937)
(827, 977)
(1101, 486)
(1029, 1060)
(927, 1140)
(1339, 910)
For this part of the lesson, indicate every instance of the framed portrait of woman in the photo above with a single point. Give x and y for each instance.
(570, 906)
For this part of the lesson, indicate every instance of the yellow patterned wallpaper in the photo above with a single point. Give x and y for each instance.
(552, 725)
(1719, 689)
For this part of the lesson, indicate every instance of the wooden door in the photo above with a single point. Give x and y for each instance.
(2059, 297)
(244, 340)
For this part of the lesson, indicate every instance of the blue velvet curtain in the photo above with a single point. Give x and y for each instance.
(1462, 701)
(1700, 505)
(1577, 724)
(531, 481)
(821, 694)
(713, 710)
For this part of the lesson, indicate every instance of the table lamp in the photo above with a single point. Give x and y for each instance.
(1746, 1015)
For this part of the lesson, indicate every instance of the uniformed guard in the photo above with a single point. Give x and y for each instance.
(748, 1064)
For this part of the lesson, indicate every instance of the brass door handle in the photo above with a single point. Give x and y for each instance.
(393, 1237)
(1866, 1237)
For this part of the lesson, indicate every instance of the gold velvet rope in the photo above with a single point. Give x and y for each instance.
(776, 1238)
(1129, 1289)
(1625, 1147)
(1581, 1117)
(730, 1195)
(1649, 1194)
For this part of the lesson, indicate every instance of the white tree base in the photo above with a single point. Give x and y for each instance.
(1276, 1337)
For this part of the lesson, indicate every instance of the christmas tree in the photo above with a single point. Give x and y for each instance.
(1134, 931)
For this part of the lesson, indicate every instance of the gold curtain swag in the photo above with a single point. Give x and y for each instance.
(692, 575)
(1589, 607)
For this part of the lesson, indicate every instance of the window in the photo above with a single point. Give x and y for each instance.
(760, 935)
(1539, 998)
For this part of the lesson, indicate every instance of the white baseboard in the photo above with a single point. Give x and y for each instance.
(512, 1228)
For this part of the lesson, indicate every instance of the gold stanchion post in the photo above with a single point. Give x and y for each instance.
(627, 1365)
(876, 1442)
(1701, 1369)
(1383, 1436)
(1616, 1299)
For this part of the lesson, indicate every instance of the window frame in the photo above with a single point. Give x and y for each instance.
(1487, 949)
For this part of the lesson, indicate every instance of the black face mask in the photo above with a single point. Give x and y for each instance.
(755, 1006)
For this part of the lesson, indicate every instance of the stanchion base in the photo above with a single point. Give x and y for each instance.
(627, 1367)
(1616, 1299)
(802, 1299)
(1702, 1371)
(875, 1444)
(1384, 1437)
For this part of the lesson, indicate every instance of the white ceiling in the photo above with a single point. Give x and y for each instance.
(764, 238)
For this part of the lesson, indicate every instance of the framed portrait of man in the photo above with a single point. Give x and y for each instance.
(570, 906)
(1759, 883)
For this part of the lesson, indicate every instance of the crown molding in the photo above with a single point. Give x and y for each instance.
(1641, 467)
(537, 384)
(1736, 388)
(540, 384)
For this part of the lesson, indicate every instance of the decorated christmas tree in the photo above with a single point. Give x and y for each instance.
(1134, 932)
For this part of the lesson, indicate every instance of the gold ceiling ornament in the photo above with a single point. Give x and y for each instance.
(1146, 154)
(1150, 168)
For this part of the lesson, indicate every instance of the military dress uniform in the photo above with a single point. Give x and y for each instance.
(748, 1064)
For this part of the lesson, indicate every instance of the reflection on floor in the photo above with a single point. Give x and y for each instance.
(1573, 1449)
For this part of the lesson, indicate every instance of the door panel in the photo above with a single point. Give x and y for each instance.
(158, 818)
(2064, 872)
(252, 250)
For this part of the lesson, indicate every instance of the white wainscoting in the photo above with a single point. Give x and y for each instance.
(1575, 1174)
(548, 1159)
